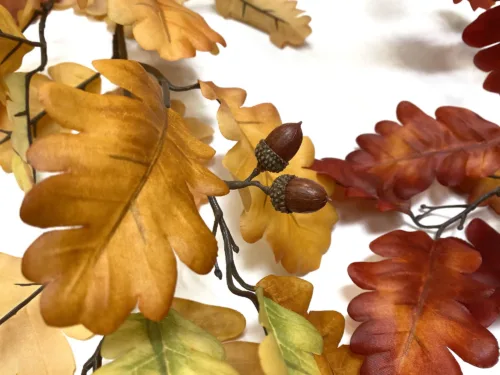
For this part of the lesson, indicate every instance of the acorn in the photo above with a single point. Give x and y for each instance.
(294, 194)
(279, 147)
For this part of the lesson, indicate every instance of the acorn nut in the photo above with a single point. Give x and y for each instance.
(279, 147)
(294, 194)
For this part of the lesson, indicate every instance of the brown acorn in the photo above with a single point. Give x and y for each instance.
(294, 194)
(279, 147)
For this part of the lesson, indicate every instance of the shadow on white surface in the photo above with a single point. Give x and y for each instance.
(453, 21)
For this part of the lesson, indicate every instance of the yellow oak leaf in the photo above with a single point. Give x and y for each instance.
(279, 18)
(165, 26)
(117, 248)
(13, 151)
(28, 346)
(298, 240)
(11, 53)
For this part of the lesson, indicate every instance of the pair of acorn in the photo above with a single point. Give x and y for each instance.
(288, 193)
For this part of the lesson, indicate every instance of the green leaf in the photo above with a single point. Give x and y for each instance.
(174, 346)
(291, 341)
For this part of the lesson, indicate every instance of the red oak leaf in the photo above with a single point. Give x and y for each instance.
(485, 32)
(401, 161)
(487, 241)
(416, 311)
(485, 4)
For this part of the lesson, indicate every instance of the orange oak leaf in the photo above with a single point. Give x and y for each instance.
(484, 32)
(415, 312)
(485, 4)
(117, 246)
(165, 26)
(401, 161)
(335, 360)
(298, 240)
(487, 241)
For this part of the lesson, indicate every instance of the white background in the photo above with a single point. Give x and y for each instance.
(362, 58)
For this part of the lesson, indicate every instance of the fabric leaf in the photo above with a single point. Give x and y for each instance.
(291, 341)
(11, 64)
(475, 4)
(485, 33)
(290, 292)
(298, 240)
(173, 346)
(28, 346)
(335, 360)
(401, 161)
(415, 313)
(487, 241)
(244, 357)
(476, 188)
(222, 323)
(178, 32)
(116, 249)
(279, 18)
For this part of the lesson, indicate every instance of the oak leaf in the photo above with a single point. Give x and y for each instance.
(335, 360)
(13, 152)
(290, 343)
(290, 292)
(244, 357)
(21, 335)
(295, 294)
(415, 312)
(221, 322)
(116, 249)
(487, 241)
(173, 346)
(485, 33)
(166, 26)
(401, 161)
(11, 53)
(476, 188)
(279, 18)
(298, 240)
(485, 4)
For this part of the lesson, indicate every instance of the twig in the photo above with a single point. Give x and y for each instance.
(95, 361)
(461, 217)
(119, 44)
(16, 309)
(231, 271)
(19, 39)
(494, 177)
(235, 185)
(161, 78)
(7, 137)
(27, 284)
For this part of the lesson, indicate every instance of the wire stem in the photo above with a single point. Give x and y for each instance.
(95, 361)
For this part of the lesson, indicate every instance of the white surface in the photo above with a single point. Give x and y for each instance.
(363, 58)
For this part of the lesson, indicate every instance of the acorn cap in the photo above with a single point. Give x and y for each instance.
(279, 147)
(294, 194)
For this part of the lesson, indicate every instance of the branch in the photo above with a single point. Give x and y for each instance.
(95, 361)
(19, 39)
(119, 44)
(229, 247)
(461, 217)
(16, 309)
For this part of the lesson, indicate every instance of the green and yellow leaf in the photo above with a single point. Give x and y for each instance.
(173, 346)
(291, 341)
